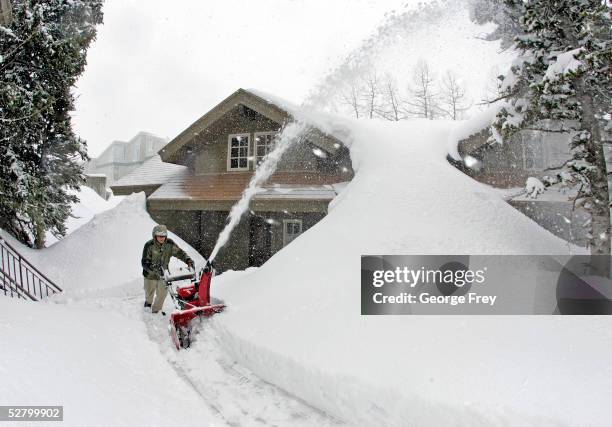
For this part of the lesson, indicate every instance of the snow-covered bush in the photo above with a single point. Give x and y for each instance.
(534, 187)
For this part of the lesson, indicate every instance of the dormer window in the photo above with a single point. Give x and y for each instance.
(238, 152)
(264, 143)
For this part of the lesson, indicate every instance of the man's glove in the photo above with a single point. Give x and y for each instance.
(156, 269)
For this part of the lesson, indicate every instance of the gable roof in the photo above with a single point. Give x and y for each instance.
(276, 111)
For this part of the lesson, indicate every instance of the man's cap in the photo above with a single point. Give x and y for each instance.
(160, 230)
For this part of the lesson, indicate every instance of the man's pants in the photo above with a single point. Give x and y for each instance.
(157, 288)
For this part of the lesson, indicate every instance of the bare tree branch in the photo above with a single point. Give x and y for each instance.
(371, 94)
(423, 100)
(351, 98)
(392, 100)
(452, 99)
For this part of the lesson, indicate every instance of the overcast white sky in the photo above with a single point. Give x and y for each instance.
(158, 66)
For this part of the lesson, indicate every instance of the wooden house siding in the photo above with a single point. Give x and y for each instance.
(201, 228)
(212, 143)
(182, 147)
(208, 151)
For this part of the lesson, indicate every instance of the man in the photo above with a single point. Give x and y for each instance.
(155, 258)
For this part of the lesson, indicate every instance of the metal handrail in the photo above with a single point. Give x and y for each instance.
(19, 277)
(14, 288)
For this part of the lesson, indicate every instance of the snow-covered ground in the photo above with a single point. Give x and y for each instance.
(292, 347)
(95, 351)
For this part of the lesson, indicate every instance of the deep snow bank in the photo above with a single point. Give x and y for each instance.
(105, 252)
(295, 321)
(89, 204)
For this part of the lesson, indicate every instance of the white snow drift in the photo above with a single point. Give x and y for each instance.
(89, 204)
(295, 321)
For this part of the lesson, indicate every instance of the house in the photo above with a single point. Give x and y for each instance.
(121, 158)
(97, 182)
(220, 152)
(529, 153)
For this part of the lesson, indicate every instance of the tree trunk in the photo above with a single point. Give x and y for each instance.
(39, 237)
(600, 211)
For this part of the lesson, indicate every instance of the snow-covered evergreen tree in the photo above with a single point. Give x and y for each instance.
(562, 76)
(498, 12)
(42, 53)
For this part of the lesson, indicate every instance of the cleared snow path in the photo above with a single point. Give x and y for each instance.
(233, 393)
(98, 364)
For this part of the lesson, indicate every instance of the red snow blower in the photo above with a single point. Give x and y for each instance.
(191, 300)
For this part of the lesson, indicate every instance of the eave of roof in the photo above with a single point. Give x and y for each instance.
(229, 187)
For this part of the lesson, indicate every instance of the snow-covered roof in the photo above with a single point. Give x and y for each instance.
(143, 133)
(464, 129)
(151, 172)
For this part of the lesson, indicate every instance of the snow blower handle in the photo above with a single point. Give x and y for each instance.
(169, 278)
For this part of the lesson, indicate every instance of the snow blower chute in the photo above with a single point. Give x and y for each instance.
(191, 300)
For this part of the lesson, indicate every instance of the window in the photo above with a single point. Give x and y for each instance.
(238, 152)
(264, 143)
(291, 229)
